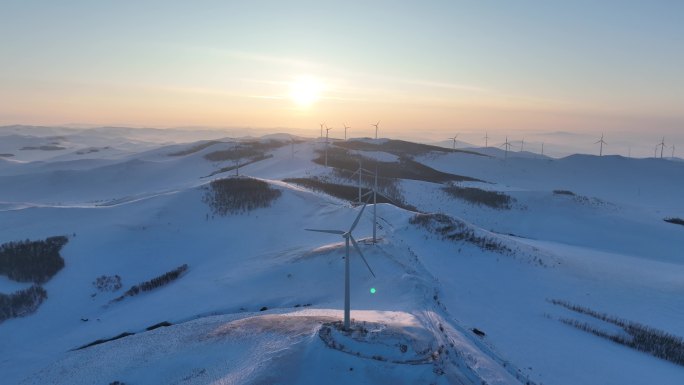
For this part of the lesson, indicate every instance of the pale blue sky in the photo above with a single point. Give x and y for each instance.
(585, 65)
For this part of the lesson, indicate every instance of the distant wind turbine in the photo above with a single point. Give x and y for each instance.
(662, 147)
(673, 150)
(345, 131)
(542, 149)
(327, 130)
(522, 144)
(486, 138)
(507, 145)
(602, 143)
(454, 139)
(347, 235)
(376, 128)
(322, 124)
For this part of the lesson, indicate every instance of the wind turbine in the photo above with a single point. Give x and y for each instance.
(454, 139)
(662, 147)
(542, 149)
(673, 148)
(327, 130)
(322, 124)
(347, 235)
(522, 144)
(486, 138)
(376, 128)
(345, 131)
(602, 143)
(236, 148)
(507, 145)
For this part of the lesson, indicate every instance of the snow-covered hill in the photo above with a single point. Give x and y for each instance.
(261, 299)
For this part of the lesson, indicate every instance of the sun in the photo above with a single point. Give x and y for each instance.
(305, 91)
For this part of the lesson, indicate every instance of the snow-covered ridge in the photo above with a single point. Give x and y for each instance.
(141, 212)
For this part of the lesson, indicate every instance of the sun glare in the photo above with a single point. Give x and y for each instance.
(305, 91)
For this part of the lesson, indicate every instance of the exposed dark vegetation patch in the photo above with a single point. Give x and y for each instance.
(49, 147)
(239, 164)
(195, 148)
(457, 231)
(21, 303)
(493, 199)
(637, 336)
(32, 261)
(153, 283)
(6, 155)
(103, 340)
(398, 147)
(346, 192)
(389, 187)
(239, 195)
(676, 221)
(159, 325)
(91, 150)
(563, 192)
(243, 150)
(107, 283)
(406, 168)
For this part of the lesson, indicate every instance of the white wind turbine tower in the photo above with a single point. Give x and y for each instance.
(292, 143)
(542, 153)
(673, 150)
(347, 235)
(454, 139)
(376, 128)
(522, 144)
(322, 124)
(361, 172)
(507, 145)
(486, 138)
(327, 130)
(345, 131)
(236, 147)
(602, 143)
(662, 147)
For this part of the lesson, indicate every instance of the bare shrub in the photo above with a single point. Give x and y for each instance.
(455, 230)
(493, 199)
(107, 283)
(676, 221)
(347, 192)
(153, 283)
(244, 150)
(640, 337)
(563, 192)
(32, 261)
(21, 303)
(196, 148)
(238, 195)
(406, 168)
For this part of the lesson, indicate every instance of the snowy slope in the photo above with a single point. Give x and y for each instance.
(142, 214)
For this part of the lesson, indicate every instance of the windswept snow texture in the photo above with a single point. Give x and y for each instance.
(262, 299)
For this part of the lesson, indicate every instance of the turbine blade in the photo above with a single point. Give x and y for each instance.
(358, 250)
(358, 218)
(338, 232)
